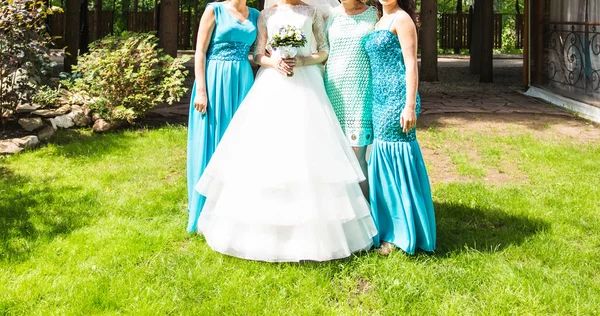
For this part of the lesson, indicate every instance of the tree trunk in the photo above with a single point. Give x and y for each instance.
(475, 60)
(98, 17)
(72, 16)
(429, 71)
(487, 42)
(167, 29)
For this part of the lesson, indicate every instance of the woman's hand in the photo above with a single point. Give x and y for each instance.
(295, 61)
(408, 119)
(281, 65)
(201, 102)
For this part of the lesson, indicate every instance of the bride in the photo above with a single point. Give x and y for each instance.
(283, 184)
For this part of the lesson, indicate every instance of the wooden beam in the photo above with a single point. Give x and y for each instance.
(526, 57)
(487, 42)
(475, 58)
(429, 71)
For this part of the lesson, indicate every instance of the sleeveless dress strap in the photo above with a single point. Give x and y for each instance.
(392, 21)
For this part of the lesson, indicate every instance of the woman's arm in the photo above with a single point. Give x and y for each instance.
(205, 30)
(321, 55)
(406, 30)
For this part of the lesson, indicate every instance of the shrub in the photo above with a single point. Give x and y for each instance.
(124, 76)
(24, 56)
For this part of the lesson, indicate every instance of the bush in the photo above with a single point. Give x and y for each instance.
(124, 76)
(24, 56)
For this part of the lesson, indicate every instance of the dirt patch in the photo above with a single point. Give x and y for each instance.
(544, 127)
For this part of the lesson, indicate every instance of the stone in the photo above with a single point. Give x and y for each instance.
(79, 118)
(101, 126)
(63, 121)
(46, 132)
(30, 124)
(8, 148)
(52, 112)
(26, 142)
(96, 117)
(26, 108)
(53, 123)
(87, 111)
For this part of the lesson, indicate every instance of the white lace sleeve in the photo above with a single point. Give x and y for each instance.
(262, 36)
(319, 31)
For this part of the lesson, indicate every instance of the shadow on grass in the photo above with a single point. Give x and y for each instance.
(462, 228)
(32, 212)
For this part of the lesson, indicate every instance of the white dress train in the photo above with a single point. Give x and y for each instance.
(283, 183)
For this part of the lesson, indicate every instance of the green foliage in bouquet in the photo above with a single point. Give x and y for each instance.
(124, 76)
(288, 35)
(24, 56)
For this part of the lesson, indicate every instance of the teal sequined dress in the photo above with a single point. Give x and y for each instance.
(347, 75)
(401, 202)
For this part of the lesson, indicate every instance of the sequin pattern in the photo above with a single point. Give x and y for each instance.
(389, 86)
(229, 51)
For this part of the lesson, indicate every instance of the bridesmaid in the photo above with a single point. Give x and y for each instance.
(223, 78)
(347, 75)
(401, 202)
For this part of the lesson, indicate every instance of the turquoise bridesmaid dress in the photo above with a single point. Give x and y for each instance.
(228, 79)
(401, 203)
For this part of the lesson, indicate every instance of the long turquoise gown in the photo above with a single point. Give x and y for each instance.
(401, 203)
(228, 79)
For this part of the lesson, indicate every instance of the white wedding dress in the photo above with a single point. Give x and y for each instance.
(283, 183)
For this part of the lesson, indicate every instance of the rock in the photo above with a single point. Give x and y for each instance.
(63, 121)
(30, 124)
(87, 111)
(79, 118)
(53, 122)
(52, 112)
(101, 126)
(26, 108)
(26, 142)
(46, 132)
(96, 117)
(7, 148)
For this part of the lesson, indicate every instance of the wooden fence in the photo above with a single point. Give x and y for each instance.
(57, 25)
(136, 22)
(455, 30)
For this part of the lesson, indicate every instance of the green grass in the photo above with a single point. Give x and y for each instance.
(95, 224)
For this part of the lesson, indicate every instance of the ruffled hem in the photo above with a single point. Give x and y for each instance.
(401, 201)
(310, 241)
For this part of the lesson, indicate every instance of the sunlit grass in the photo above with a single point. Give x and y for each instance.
(95, 224)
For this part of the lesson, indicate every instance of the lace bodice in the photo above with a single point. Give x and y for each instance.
(305, 17)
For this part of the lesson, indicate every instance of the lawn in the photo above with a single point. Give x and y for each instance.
(95, 224)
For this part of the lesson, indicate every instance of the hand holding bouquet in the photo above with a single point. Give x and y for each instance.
(286, 41)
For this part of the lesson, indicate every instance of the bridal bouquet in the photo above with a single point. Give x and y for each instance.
(286, 40)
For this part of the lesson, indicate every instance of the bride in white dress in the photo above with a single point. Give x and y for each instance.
(283, 184)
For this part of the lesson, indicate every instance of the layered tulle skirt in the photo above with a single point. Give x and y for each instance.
(283, 183)
(400, 195)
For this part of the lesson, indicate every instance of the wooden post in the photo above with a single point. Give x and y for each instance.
(536, 40)
(487, 42)
(168, 26)
(98, 19)
(475, 60)
(84, 41)
(459, 33)
(526, 56)
(72, 16)
(429, 71)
